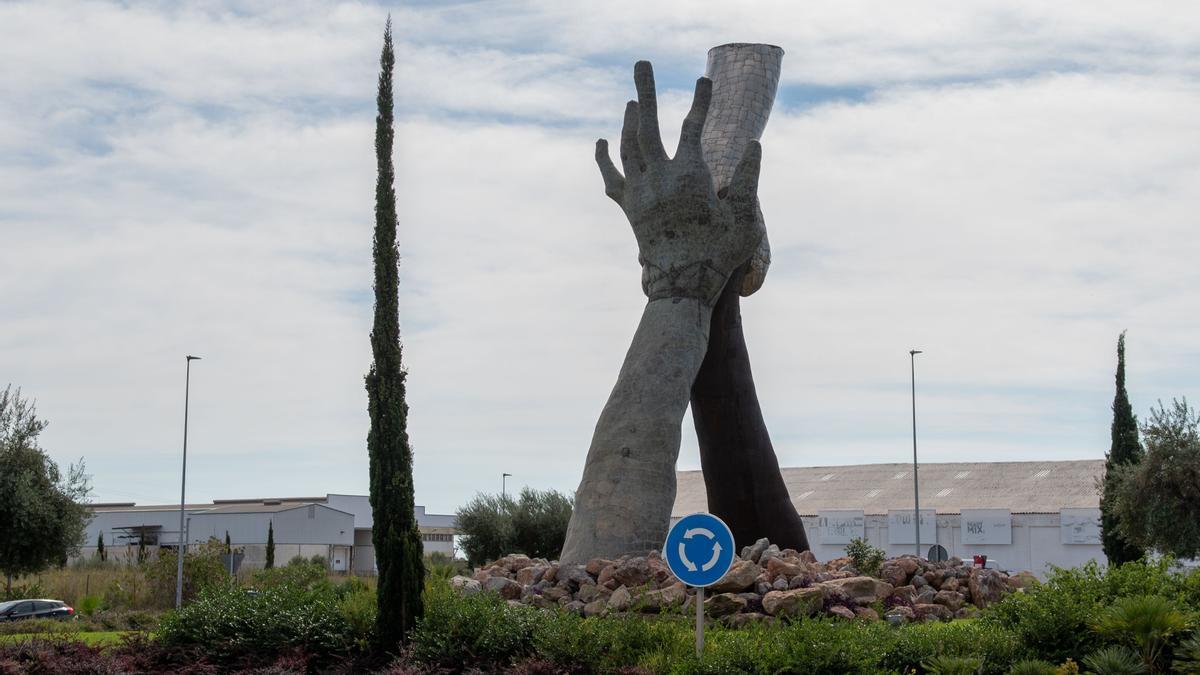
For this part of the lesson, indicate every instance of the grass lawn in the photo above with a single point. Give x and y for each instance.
(92, 638)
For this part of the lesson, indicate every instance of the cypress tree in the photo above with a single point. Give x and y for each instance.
(1125, 450)
(398, 553)
(229, 544)
(100, 547)
(270, 546)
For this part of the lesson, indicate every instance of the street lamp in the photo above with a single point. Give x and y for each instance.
(187, 383)
(912, 362)
(503, 476)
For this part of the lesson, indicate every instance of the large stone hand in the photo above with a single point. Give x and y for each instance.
(690, 237)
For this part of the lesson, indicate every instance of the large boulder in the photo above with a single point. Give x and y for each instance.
(796, 603)
(905, 594)
(633, 572)
(784, 567)
(1022, 580)
(575, 574)
(594, 566)
(528, 576)
(465, 585)
(755, 550)
(595, 607)
(932, 611)
(893, 574)
(951, 600)
(986, 586)
(864, 590)
(908, 563)
(724, 603)
(739, 577)
(620, 600)
(507, 588)
(838, 610)
(671, 596)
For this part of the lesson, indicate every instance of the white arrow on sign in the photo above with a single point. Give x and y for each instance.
(712, 563)
(683, 556)
(699, 530)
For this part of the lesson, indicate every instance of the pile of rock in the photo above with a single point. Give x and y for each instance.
(764, 583)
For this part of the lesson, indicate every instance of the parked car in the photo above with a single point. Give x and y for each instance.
(17, 610)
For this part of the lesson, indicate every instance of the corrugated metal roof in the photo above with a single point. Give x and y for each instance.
(949, 487)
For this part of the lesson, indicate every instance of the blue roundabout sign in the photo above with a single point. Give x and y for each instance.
(699, 549)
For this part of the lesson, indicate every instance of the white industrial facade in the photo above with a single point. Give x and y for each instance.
(1022, 515)
(336, 527)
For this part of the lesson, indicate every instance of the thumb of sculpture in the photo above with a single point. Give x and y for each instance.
(742, 193)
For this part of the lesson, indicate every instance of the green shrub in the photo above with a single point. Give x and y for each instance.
(88, 605)
(233, 624)
(32, 589)
(479, 629)
(202, 570)
(358, 607)
(1187, 655)
(496, 525)
(1114, 660)
(300, 573)
(914, 644)
(952, 665)
(865, 557)
(1147, 621)
(1033, 667)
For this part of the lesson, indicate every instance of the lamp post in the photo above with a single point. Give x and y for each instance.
(187, 383)
(912, 362)
(503, 477)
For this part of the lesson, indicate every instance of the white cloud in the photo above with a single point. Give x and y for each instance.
(1018, 186)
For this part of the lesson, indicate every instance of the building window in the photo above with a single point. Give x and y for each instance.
(436, 537)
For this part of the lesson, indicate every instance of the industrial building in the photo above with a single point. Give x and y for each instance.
(1022, 515)
(336, 527)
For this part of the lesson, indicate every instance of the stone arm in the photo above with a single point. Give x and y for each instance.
(690, 239)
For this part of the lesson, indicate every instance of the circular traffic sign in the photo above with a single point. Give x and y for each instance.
(699, 549)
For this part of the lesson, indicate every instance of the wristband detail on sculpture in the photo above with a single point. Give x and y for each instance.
(699, 279)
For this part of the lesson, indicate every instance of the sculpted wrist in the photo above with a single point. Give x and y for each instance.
(699, 279)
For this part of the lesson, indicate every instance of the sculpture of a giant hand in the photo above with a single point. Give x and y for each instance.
(690, 239)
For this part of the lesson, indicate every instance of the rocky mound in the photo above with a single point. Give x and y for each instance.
(764, 583)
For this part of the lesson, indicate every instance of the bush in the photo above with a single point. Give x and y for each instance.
(300, 573)
(915, 644)
(1056, 619)
(202, 570)
(88, 605)
(1033, 667)
(952, 665)
(232, 624)
(495, 525)
(865, 557)
(1114, 661)
(1147, 621)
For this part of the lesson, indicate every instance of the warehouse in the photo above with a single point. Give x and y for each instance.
(336, 527)
(1022, 515)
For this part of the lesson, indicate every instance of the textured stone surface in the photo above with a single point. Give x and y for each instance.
(724, 603)
(864, 590)
(745, 78)
(739, 577)
(690, 239)
(798, 602)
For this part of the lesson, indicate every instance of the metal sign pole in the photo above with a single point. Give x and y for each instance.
(699, 621)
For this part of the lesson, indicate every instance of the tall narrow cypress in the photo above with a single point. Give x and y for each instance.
(398, 553)
(270, 546)
(1125, 450)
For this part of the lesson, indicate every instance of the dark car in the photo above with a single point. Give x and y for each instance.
(17, 610)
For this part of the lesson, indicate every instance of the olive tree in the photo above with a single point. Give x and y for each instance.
(1157, 500)
(42, 514)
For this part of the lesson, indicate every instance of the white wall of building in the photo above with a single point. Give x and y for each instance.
(1037, 542)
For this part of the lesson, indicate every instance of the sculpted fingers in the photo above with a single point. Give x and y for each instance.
(614, 183)
(693, 124)
(631, 154)
(649, 139)
(743, 193)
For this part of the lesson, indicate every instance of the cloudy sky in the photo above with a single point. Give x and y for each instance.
(1005, 185)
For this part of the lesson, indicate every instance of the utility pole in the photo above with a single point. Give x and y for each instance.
(912, 360)
(187, 384)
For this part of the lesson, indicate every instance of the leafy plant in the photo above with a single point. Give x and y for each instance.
(952, 665)
(1187, 655)
(1114, 660)
(88, 605)
(1148, 621)
(202, 570)
(1033, 667)
(496, 525)
(866, 558)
